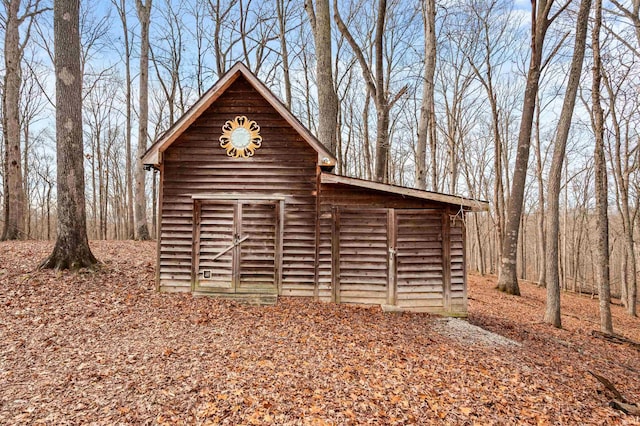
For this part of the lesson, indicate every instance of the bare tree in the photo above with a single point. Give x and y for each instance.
(14, 189)
(623, 161)
(320, 20)
(32, 106)
(427, 122)
(122, 13)
(633, 15)
(619, 77)
(602, 205)
(377, 81)
(540, 22)
(100, 115)
(552, 313)
(492, 29)
(144, 16)
(15, 200)
(71, 250)
(281, 9)
(199, 31)
(458, 101)
(167, 59)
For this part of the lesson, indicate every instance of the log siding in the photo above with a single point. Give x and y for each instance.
(196, 166)
(279, 224)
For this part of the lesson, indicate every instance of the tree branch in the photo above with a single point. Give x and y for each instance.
(366, 71)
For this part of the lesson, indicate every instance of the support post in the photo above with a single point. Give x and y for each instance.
(446, 260)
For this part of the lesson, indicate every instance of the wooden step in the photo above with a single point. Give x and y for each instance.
(249, 298)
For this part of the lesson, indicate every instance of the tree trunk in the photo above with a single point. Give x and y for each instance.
(71, 250)
(281, 8)
(365, 137)
(320, 19)
(628, 284)
(375, 81)
(26, 131)
(602, 205)
(122, 12)
(540, 241)
(426, 124)
(508, 280)
(15, 195)
(382, 145)
(552, 313)
(380, 97)
(142, 229)
(480, 246)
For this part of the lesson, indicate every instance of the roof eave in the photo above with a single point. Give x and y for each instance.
(153, 156)
(466, 204)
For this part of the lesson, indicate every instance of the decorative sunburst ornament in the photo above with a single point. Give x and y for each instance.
(240, 137)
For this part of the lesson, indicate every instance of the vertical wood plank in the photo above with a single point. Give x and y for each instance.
(316, 264)
(159, 228)
(446, 259)
(195, 250)
(392, 226)
(286, 166)
(335, 255)
(464, 262)
(279, 243)
(237, 230)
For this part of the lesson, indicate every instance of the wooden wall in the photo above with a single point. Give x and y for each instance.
(361, 259)
(367, 247)
(419, 258)
(196, 165)
(427, 273)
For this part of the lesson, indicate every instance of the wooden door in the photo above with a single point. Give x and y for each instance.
(214, 242)
(361, 255)
(419, 258)
(237, 246)
(257, 255)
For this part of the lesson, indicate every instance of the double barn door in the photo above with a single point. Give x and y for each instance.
(390, 256)
(237, 246)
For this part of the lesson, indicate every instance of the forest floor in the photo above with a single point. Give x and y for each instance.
(103, 347)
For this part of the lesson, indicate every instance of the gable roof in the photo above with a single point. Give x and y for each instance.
(468, 204)
(153, 156)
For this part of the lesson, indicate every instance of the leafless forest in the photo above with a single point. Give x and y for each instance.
(534, 107)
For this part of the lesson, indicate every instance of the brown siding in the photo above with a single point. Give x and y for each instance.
(324, 254)
(419, 258)
(347, 245)
(458, 273)
(419, 248)
(363, 256)
(342, 195)
(216, 234)
(196, 165)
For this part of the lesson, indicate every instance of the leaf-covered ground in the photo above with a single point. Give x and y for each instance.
(105, 348)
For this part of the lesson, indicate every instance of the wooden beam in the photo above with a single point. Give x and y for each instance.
(392, 238)
(446, 260)
(279, 243)
(158, 227)
(335, 255)
(465, 296)
(316, 262)
(239, 196)
(195, 247)
(237, 231)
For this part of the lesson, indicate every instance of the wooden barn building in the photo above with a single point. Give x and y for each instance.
(249, 209)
